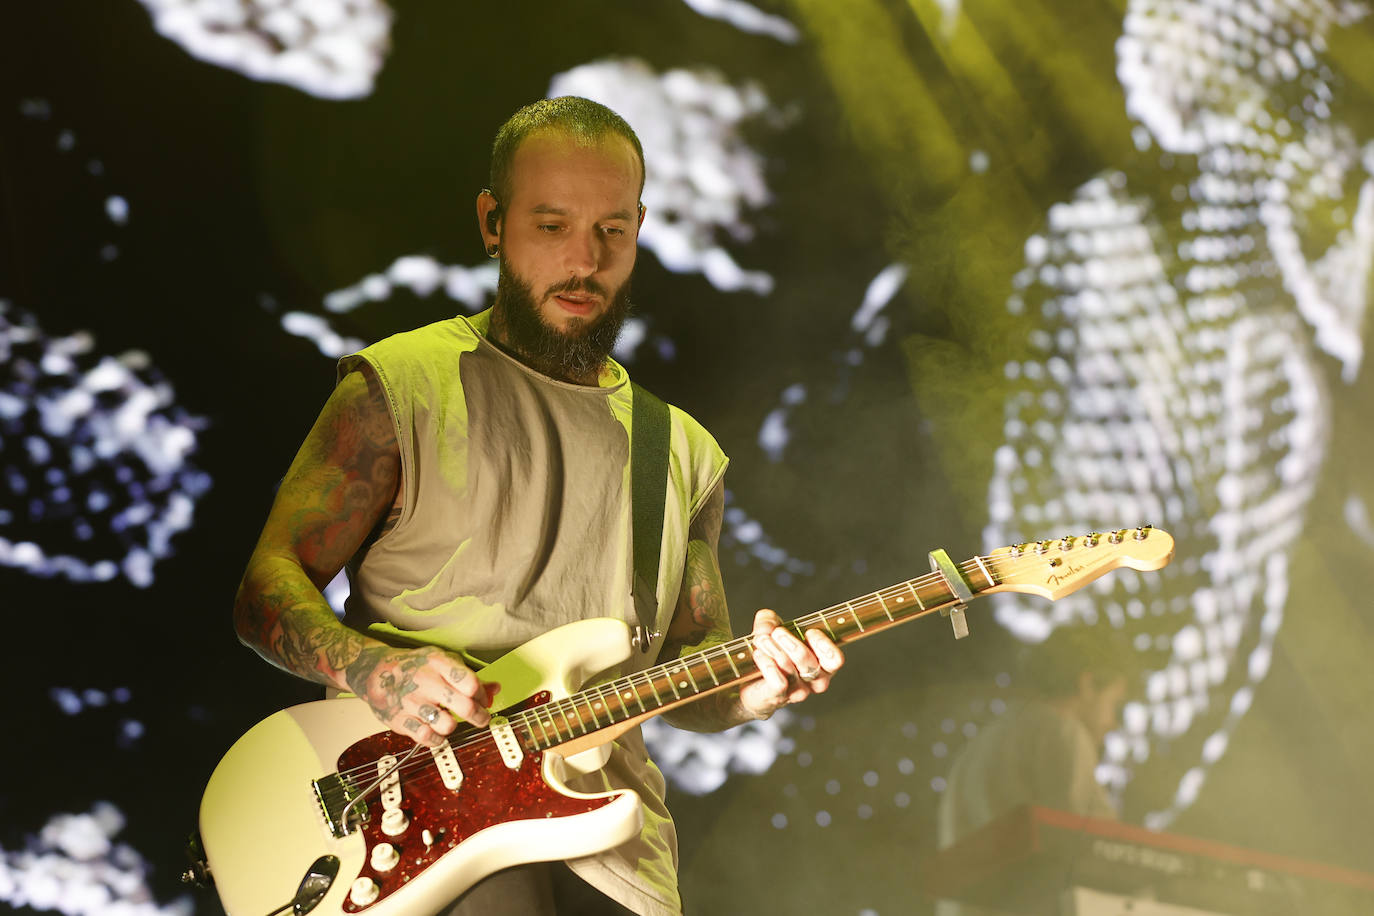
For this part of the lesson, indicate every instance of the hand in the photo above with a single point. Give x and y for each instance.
(420, 693)
(792, 669)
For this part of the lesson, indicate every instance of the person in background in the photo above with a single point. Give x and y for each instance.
(1045, 749)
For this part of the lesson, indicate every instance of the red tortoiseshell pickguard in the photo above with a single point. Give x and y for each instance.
(491, 793)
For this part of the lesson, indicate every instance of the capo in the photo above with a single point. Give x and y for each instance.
(958, 587)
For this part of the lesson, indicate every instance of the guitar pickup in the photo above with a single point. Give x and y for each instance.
(447, 765)
(506, 742)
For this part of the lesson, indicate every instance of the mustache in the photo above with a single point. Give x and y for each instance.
(576, 285)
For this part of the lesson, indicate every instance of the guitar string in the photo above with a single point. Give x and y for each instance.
(530, 718)
(991, 566)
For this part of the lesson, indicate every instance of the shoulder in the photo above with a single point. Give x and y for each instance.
(418, 350)
(703, 460)
(693, 439)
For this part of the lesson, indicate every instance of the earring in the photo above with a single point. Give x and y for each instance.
(493, 251)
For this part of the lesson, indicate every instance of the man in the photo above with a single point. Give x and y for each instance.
(473, 477)
(1044, 751)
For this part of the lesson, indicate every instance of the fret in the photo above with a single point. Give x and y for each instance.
(669, 675)
(687, 670)
(730, 657)
(522, 731)
(827, 628)
(591, 707)
(883, 604)
(657, 699)
(574, 718)
(639, 699)
(710, 668)
(621, 697)
(857, 622)
(538, 721)
(919, 603)
(557, 735)
(986, 572)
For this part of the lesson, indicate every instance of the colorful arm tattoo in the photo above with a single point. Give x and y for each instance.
(333, 501)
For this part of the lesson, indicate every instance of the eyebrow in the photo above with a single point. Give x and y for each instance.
(550, 209)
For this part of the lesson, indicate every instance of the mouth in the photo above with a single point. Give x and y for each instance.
(576, 303)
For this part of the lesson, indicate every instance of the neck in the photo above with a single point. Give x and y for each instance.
(499, 333)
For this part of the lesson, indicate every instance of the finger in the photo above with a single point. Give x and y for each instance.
(438, 719)
(827, 653)
(763, 644)
(464, 707)
(461, 691)
(459, 678)
(767, 619)
(419, 732)
(802, 658)
(774, 676)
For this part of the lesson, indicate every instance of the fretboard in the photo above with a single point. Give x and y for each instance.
(653, 690)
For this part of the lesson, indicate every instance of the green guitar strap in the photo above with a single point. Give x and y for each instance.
(649, 429)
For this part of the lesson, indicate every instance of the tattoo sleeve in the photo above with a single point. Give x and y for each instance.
(334, 498)
(702, 620)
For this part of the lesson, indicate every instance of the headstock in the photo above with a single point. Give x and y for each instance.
(1055, 568)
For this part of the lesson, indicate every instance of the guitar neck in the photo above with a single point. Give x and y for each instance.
(1050, 569)
(606, 708)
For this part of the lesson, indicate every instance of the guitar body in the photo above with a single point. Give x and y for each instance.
(262, 825)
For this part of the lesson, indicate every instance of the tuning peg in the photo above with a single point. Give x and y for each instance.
(1065, 542)
(1092, 539)
(1143, 532)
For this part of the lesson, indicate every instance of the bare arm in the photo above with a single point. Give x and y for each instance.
(335, 498)
(702, 620)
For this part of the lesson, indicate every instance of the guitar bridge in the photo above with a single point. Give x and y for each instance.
(334, 794)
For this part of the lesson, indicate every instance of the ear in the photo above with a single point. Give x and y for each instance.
(489, 218)
(640, 224)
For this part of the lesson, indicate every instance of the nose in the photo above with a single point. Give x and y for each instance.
(582, 255)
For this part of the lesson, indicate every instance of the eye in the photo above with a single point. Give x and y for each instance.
(613, 231)
(548, 227)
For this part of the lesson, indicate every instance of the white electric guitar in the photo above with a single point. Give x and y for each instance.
(316, 809)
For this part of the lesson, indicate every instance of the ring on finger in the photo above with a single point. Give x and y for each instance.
(810, 675)
(429, 713)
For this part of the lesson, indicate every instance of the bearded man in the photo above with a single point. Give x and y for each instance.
(473, 477)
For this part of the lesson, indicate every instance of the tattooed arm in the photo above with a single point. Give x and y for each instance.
(701, 620)
(337, 496)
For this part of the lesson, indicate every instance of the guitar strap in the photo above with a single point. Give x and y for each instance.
(649, 429)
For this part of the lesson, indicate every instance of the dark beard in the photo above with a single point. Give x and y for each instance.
(575, 356)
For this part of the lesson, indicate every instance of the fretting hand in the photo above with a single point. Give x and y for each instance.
(792, 669)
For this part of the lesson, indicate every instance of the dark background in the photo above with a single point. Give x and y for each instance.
(248, 199)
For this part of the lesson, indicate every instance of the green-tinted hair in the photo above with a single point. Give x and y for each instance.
(582, 119)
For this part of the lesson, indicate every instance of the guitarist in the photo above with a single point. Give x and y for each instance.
(472, 477)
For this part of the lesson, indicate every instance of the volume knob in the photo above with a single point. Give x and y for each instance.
(394, 822)
(384, 857)
(363, 892)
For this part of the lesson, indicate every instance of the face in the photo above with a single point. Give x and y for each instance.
(567, 239)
